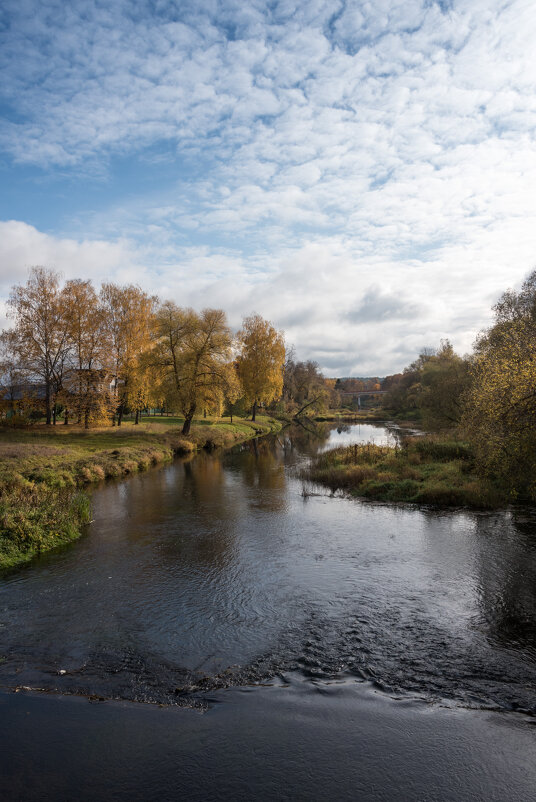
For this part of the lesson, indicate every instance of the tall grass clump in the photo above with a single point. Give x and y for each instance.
(423, 470)
(36, 518)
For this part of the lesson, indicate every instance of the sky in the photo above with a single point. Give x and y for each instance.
(362, 174)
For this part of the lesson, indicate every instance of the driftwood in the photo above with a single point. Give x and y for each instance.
(309, 403)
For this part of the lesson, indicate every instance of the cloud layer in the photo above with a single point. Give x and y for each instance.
(360, 172)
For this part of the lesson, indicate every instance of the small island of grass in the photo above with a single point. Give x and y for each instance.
(424, 470)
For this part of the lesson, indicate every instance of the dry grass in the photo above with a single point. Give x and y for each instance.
(427, 470)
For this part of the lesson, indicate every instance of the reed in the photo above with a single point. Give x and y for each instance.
(424, 470)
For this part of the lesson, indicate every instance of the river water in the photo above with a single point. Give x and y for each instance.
(352, 621)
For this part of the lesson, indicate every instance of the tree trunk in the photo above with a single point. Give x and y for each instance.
(47, 404)
(137, 419)
(254, 411)
(120, 414)
(66, 417)
(188, 420)
(54, 414)
(86, 419)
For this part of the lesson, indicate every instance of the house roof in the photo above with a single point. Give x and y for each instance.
(16, 392)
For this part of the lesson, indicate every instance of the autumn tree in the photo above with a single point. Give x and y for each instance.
(304, 386)
(39, 338)
(444, 382)
(333, 393)
(144, 385)
(261, 360)
(12, 376)
(128, 313)
(194, 354)
(501, 405)
(85, 390)
(404, 389)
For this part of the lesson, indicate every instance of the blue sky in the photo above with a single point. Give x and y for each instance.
(360, 173)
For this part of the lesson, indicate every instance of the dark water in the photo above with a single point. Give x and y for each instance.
(302, 742)
(220, 572)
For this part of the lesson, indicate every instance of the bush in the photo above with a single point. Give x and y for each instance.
(442, 450)
(426, 470)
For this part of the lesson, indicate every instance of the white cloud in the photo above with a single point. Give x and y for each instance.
(326, 297)
(23, 246)
(331, 158)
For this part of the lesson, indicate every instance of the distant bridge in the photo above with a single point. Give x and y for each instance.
(360, 393)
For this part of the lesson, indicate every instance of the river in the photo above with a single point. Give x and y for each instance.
(301, 644)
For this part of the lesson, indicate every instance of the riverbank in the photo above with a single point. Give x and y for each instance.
(43, 472)
(424, 470)
(345, 416)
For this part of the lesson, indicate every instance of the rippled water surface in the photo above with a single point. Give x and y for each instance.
(219, 571)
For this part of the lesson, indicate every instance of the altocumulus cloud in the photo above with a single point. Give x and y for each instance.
(361, 173)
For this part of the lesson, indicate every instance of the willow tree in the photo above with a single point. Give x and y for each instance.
(194, 355)
(261, 361)
(128, 313)
(39, 339)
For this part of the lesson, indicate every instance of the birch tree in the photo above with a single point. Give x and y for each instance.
(39, 338)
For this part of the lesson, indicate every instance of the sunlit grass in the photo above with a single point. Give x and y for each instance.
(425, 470)
(43, 471)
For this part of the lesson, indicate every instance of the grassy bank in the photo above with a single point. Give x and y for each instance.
(346, 416)
(43, 472)
(425, 470)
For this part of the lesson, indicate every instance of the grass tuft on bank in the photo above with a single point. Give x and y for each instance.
(425, 470)
(43, 472)
(368, 415)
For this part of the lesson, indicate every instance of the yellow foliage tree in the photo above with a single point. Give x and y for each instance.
(194, 354)
(501, 404)
(128, 315)
(261, 361)
(86, 393)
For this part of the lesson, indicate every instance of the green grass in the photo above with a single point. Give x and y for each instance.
(35, 518)
(43, 471)
(426, 470)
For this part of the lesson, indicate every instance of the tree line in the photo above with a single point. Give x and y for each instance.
(488, 396)
(96, 355)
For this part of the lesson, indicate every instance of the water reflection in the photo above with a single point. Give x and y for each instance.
(507, 579)
(261, 467)
(215, 570)
(345, 435)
